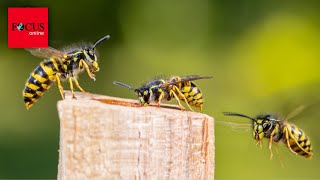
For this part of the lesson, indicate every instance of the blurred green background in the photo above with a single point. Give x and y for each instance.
(264, 56)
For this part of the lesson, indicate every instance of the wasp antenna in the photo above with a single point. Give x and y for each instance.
(237, 114)
(100, 40)
(124, 85)
(207, 77)
(202, 77)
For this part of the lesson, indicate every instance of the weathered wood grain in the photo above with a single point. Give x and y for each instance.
(104, 137)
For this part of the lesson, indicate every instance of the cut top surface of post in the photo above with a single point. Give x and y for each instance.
(108, 100)
(116, 138)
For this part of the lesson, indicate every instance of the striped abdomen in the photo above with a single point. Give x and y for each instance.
(304, 148)
(192, 94)
(39, 81)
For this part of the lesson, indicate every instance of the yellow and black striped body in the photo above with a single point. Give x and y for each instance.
(184, 90)
(60, 65)
(297, 140)
(180, 88)
(271, 127)
(191, 92)
(276, 130)
(40, 80)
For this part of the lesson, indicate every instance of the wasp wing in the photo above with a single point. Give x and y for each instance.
(237, 127)
(182, 79)
(295, 112)
(46, 52)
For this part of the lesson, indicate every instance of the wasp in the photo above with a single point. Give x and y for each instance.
(181, 88)
(60, 65)
(272, 127)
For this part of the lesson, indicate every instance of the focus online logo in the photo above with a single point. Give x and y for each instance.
(27, 27)
(32, 28)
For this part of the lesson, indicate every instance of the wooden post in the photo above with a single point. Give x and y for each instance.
(104, 137)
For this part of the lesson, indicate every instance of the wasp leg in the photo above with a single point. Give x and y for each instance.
(71, 88)
(291, 135)
(160, 98)
(88, 70)
(178, 100)
(260, 143)
(270, 147)
(287, 139)
(182, 95)
(60, 86)
(277, 151)
(78, 85)
(271, 140)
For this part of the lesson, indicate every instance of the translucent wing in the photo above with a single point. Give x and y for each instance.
(177, 80)
(295, 112)
(237, 127)
(46, 52)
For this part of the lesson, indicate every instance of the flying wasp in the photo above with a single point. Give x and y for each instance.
(60, 65)
(272, 127)
(181, 88)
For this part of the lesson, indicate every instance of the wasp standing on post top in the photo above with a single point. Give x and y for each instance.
(181, 88)
(60, 65)
(270, 126)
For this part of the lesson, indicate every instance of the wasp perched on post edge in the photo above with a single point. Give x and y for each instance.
(180, 88)
(270, 126)
(60, 65)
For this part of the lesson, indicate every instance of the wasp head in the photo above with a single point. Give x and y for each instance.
(90, 56)
(91, 59)
(263, 125)
(143, 93)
